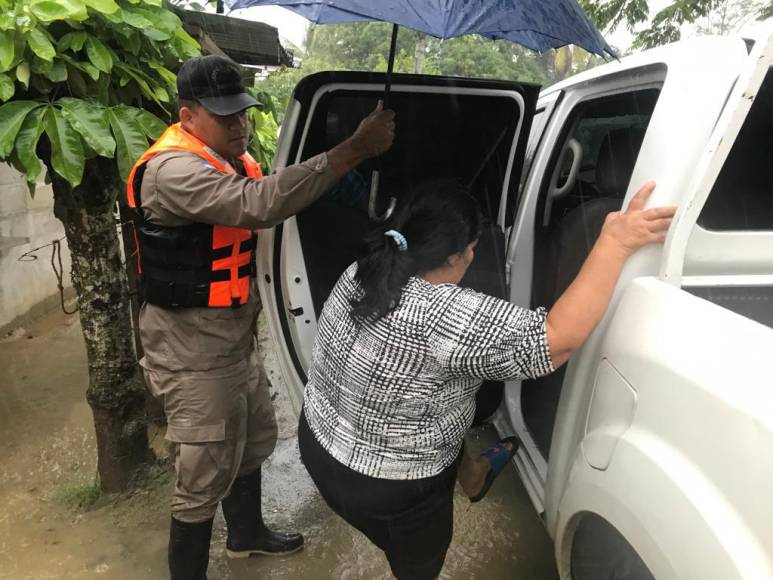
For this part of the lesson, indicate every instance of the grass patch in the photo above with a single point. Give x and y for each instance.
(79, 497)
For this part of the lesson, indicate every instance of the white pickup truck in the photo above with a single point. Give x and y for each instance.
(650, 455)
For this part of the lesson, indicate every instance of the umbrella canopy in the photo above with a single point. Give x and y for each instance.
(536, 24)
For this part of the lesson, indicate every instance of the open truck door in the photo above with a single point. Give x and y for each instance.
(474, 130)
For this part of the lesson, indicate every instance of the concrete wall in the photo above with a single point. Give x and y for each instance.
(28, 287)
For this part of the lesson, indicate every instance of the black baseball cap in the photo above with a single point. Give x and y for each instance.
(216, 83)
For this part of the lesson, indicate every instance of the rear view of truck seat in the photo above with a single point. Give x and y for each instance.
(578, 230)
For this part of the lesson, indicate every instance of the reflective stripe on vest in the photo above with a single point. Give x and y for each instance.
(168, 271)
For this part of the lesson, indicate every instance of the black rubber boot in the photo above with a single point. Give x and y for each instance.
(247, 534)
(189, 550)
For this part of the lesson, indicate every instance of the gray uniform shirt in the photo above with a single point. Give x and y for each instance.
(179, 188)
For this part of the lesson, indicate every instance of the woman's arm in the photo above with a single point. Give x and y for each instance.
(580, 308)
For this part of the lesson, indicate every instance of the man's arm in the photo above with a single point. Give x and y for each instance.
(373, 137)
(188, 187)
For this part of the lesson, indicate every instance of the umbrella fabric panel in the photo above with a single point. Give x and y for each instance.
(535, 24)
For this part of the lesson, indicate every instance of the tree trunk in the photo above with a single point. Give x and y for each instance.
(418, 54)
(116, 391)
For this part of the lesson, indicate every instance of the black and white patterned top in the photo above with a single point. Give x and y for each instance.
(393, 398)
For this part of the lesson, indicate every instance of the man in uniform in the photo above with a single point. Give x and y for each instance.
(199, 198)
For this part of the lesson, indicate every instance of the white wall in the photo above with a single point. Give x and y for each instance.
(26, 223)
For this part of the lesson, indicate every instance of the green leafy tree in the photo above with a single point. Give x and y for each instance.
(708, 16)
(263, 129)
(365, 46)
(85, 85)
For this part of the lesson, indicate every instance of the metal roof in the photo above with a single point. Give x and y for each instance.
(245, 41)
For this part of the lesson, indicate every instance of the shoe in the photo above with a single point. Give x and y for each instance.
(498, 456)
(247, 533)
(189, 550)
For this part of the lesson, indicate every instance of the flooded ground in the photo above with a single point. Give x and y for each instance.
(48, 467)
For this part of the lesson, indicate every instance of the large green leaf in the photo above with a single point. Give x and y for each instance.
(11, 118)
(50, 10)
(90, 120)
(143, 82)
(7, 49)
(90, 70)
(129, 137)
(146, 23)
(41, 45)
(163, 72)
(98, 53)
(162, 19)
(103, 6)
(186, 45)
(7, 88)
(155, 34)
(114, 17)
(151, 125)
(23, 74)
(7, 20)
(135, 18)
(86, 67)
(58, 72)
(161, 94)
(67, 157)
(40, 66)
(27, 141)
(72, 40)
(134, 43)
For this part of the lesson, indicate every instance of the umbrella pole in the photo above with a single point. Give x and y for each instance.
(390, 65)
(375, 176)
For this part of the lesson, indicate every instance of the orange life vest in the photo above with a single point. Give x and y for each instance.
(197, 264)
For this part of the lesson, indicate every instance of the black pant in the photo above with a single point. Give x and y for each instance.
(411, 520)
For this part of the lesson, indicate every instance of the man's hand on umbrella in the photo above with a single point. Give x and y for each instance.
(376, 132)
(373, 137)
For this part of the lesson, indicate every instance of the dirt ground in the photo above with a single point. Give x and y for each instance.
(54, 524)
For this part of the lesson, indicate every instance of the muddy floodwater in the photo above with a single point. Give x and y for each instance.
(55, 525)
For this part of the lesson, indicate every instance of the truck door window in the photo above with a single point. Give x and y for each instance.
(605, 134)
(742, 200)
(742, 196)
(440, 134)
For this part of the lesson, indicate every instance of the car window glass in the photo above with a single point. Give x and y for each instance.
(609, 132)
(440, 135)
(742, 196)
(469, 137)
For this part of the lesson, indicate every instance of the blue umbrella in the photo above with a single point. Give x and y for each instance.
(536, 24)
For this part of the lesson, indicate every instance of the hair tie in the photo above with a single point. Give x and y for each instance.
(402, 243)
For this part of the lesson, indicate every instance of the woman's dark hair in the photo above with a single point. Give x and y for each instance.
(440, 219)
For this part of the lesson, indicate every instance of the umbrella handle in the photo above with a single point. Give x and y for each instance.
(374, 179)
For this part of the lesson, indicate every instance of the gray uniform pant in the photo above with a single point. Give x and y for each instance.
(223, 424)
